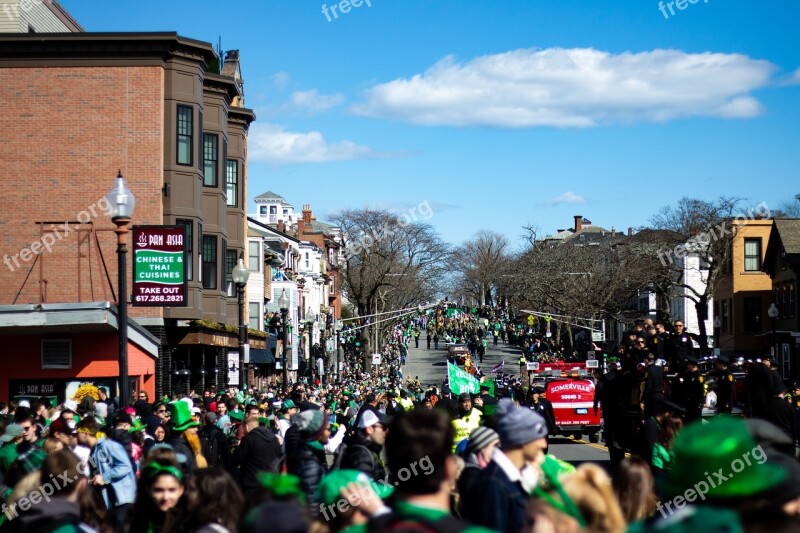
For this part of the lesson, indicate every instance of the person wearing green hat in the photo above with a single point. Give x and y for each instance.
(288, 410)
(181, 421)
(720, 463)
(348, 499)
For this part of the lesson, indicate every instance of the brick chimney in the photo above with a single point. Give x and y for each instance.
(281, 226)
(613, 232)
(578, 223)
(307, 213)
(630, 232)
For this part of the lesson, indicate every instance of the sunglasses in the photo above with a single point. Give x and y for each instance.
(161, 411)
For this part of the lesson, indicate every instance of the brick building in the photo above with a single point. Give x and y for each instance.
(167, 112)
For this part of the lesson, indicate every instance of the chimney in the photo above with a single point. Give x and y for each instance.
(281, 226)
(578, 223)
(630, 232)
(613, 232)
(307, 213)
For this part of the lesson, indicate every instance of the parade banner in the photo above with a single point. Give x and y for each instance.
(460, 381)
(159, 269)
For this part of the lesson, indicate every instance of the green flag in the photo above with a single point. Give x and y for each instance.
(461, 381)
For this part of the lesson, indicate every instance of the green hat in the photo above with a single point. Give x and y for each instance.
(263, 420)
(329, 490)
(693, 518)
(723, 445)
(236, 415)
(181, 416)
(137, 426)
(288, 404)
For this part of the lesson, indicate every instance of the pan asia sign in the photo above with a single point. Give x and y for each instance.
(159, 268)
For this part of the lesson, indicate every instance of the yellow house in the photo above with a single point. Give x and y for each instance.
(744, 293)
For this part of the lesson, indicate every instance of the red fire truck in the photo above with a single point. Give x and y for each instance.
(570, 388)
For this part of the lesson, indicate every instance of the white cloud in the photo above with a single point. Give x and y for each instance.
(567, 198)
(578, 87)
(279, 79)
(795, 79)
(313, 102)
(273, 144)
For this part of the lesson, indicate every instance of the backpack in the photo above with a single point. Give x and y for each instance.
(394, 523)
(210, 446)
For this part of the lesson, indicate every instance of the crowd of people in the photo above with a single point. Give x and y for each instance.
(384, 453)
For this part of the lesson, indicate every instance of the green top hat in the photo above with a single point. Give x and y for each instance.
(329, 490)
(181, 416)
(724, 445)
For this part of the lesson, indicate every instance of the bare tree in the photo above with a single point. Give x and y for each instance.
(789, 208)
(702, 228)
(388, 264)
(478, 263)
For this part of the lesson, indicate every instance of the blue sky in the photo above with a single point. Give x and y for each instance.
(502, 114)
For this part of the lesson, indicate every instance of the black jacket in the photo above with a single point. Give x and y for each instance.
(363, 454)
(544, 407)
(781, 413)
(180, 446)
(653, 381)
(502, 506)
(216, 449)
(309, 465)
(259, 451)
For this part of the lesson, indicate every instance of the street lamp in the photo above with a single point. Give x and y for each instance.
(773, 314)
(120, 206)
(283, 303)
(240, 276)
(338, 328)
(310, 327)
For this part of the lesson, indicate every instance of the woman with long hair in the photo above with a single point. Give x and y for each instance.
(635, 489)
(160, 503)
(215, 502)
(662, 449)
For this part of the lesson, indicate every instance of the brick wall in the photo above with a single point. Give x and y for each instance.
(64, 132)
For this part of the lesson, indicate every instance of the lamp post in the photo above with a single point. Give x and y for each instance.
(322, 326)
(310, 329)
(240, 276)
(338, 327)
(773, 314)
(283, 303)
(121, 203)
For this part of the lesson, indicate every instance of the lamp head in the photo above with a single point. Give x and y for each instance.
(283, 302)
(773, 310)
(120, 200)
(240, 273)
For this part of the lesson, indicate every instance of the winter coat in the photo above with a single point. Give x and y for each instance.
(363, 454)
(259, 451)
(309, 464)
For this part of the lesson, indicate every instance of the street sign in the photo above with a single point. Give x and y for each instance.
(590, 355)
(376, 359)
(531, 320)
(598, 336)
(159, 269)
(532, 367)
(593, 363)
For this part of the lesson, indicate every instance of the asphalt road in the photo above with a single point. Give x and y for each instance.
(430, 366)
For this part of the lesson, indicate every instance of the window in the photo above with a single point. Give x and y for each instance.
(56, 353)
(231, 258)
(785, 300)
(752, 315)
(185, 130)
(200, 140)
(187, 223)
(285, 214)
(232, 182)
(224, 277)
(262, 210)
(273, 210)
(724, 316)
(211, 158)
(308, 263)
(752, 255)
(209, 261)
(255, 311)
(253, 257)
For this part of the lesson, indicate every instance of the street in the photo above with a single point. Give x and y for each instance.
(430, 366)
